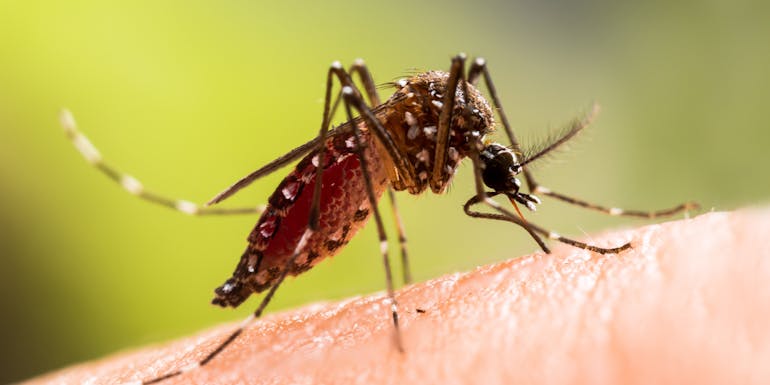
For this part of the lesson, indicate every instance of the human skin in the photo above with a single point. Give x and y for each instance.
(689, 303)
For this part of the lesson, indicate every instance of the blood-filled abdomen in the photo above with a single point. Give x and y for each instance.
(344, 210)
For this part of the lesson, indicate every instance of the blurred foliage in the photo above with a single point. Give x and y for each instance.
(190, 95)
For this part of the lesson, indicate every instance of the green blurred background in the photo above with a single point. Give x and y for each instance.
(190, 95)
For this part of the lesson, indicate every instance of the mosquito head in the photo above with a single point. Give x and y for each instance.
(500, 168)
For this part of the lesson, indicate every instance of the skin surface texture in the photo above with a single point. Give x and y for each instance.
(689, 303)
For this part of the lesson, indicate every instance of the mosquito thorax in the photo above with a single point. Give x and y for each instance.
(500, 167)
(411, 115)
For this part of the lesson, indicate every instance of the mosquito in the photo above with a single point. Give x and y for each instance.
(412, 142)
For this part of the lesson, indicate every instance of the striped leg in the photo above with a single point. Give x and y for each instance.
(439, 175)
(131, 184)
(354, 99)
(407, 271)
(509, 217)
(360, 68)
(615, 211)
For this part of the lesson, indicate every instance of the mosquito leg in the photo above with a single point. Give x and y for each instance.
(360, 68)
(478, 68)
(445, 121)
(401, 238)
(131, 184)
(366, 77)
(351, 98)
(601, 250)
(615, 211)
(315, 207)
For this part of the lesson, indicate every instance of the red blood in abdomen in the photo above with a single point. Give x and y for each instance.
(343, 194)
